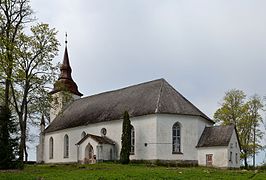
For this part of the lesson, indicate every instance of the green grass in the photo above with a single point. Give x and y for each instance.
(131, 171)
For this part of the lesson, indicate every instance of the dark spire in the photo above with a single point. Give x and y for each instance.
(65, 81)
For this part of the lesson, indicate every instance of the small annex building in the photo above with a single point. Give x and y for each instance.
(166, 126)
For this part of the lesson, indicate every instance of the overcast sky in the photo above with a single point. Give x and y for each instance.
(202, 48)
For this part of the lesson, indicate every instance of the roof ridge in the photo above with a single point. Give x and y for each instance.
(159, 97)
(130, 86)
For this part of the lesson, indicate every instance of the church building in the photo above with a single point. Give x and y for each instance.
(166, 126)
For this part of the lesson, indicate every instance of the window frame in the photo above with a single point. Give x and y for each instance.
(231, 156)
(132, 140)
(51, 148)
(66, 146)
(176, 137)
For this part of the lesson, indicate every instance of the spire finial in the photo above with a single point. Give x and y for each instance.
(66, 38)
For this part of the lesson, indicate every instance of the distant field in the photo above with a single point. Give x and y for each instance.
(131, 171)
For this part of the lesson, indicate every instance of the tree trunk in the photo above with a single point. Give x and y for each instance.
(22, 139)
(245, 159)
(246, 162)
(254, 146)
(24, 136)
(26, 153)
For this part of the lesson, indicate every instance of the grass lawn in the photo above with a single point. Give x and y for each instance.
(131, 171)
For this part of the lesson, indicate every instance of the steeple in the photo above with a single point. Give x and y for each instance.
(65, 81)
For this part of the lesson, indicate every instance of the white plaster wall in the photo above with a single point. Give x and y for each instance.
(102, 151)
(155, 130)
(191, 129)
(145, 131)
(82, 147)
(220, 156)
(113, 132)
(235, 149)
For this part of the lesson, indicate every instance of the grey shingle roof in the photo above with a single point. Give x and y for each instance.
(216, 136)
(147, 98)
(99, 139)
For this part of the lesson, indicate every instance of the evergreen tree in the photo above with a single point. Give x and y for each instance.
(126, 137)
(8, 144)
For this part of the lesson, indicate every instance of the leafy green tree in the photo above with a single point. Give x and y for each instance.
(14, 14)
(232, 109)
(25, 65)
(245, 116)
(31, 76)
(126, 137)
(255, 105)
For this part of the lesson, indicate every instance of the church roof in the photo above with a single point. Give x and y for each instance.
(65, 81)
(216, 136)
(99, 139)
(154, 97)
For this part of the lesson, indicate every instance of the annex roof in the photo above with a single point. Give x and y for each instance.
(216, 136)
(99, 139)
(154, 97)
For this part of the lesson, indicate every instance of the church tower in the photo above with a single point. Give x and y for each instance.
(65, 89)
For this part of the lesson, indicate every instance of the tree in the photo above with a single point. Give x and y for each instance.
(25, 64)
(34, 71)
(8, 144)
(13, 15)
(126, 137)
(255, 104)
(232, 109)
(245, 116)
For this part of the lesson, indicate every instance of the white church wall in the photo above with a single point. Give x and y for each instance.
(106, 151)
(101, 151)
(114, 130)
(145, 131)
(233, 151)
(191, 129)
(153, 138)
(82, 147)
(219, 156)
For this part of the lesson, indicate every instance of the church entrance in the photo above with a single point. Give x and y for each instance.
(90, 158)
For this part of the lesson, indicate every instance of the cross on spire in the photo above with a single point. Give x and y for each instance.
(65, 81)
(66, 38)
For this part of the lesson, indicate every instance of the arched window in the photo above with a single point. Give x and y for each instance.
(176, 132)
(66, 146)
(51, 148)
(132, 141)
(83, 134)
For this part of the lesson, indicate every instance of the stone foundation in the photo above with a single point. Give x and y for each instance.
(180, 163)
